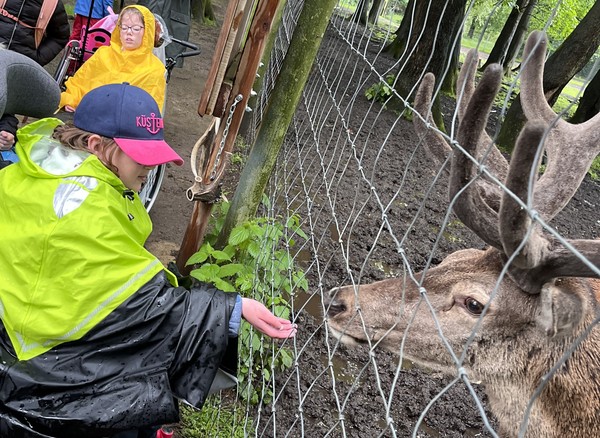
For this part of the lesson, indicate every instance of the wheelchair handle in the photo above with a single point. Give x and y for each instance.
(190, 53)
(184, 43)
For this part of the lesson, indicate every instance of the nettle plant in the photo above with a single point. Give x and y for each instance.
(256, 263)
(381, 91)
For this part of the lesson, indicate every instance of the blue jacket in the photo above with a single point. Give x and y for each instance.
(100, 9)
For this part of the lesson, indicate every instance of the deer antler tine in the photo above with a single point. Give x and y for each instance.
(560, 262)
(514, 221)
(533, 100)
(476, 205)
(435, 145)
(465, 84)
(541, 258)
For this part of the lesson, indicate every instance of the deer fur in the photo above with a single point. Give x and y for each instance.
(527, 304)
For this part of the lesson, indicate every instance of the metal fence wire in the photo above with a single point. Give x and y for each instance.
(414, 358)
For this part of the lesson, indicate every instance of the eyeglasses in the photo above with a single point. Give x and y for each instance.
(134, 29)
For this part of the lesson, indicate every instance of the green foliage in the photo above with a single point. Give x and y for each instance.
(69, 7)
(565, 19)
(489, 16)
(256, 263)
(381, 91)
(201, 423)
(241, 147)
(594, 171)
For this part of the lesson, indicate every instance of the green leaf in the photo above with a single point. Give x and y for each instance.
(230, 250)
(300, 281)
(301, 233)
(209, 270)
(282, 311)
(202, 276)
(224, 285)
(254, 249)
(286, 359)
(239, 235)
(231, 269)
(245, 285)
(220, 255)
(201, 256)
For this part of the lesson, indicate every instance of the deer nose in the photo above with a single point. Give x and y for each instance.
(333, 306)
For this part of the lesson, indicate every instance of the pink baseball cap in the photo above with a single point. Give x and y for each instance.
(131, 117)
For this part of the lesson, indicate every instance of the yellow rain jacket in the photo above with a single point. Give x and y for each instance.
(113, 65)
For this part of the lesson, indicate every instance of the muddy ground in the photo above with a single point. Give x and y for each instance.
(455, 413)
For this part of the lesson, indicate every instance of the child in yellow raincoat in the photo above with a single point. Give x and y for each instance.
(128, 58)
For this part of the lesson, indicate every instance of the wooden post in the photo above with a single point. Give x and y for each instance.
(241, 85)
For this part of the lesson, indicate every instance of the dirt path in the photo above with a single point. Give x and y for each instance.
(171, 212)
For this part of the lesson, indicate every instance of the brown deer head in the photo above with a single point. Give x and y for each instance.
(520, 316)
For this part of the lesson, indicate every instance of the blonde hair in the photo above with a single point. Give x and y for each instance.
(131, 11)
(77, 139)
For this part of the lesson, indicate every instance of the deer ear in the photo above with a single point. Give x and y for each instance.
(560, 310)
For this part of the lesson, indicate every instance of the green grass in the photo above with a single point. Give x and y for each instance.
(69, 7)
(484, 46)
(215, 417)
(70, 10)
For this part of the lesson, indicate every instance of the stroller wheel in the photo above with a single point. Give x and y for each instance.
(149, 192)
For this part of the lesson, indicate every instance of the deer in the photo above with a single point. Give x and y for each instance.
(521, 316)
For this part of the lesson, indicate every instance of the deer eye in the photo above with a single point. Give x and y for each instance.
(473, 306)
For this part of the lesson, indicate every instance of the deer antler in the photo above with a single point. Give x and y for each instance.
(570, 148)
(479, 203)
(497, 217)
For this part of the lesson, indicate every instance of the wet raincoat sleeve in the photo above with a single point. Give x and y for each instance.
(81, 82)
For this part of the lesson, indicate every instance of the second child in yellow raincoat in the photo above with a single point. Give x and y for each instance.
(128, 58)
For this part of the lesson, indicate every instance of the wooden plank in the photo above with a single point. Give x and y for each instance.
(242, 84)
(248, 66)
(217, 59)
(230, 49)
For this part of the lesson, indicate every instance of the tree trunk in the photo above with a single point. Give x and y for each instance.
(289, 85)
(589, 104)
(360, 15)
(397, 46)
(472, 28)
(449, 84)
(202, 11)
(375, 11)
(572, 55)
(507, 34)
(434, 28)
(515, 44)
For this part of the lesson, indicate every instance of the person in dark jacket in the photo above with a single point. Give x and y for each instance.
(15, 36)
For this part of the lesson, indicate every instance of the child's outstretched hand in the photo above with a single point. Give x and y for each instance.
(262, 319)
